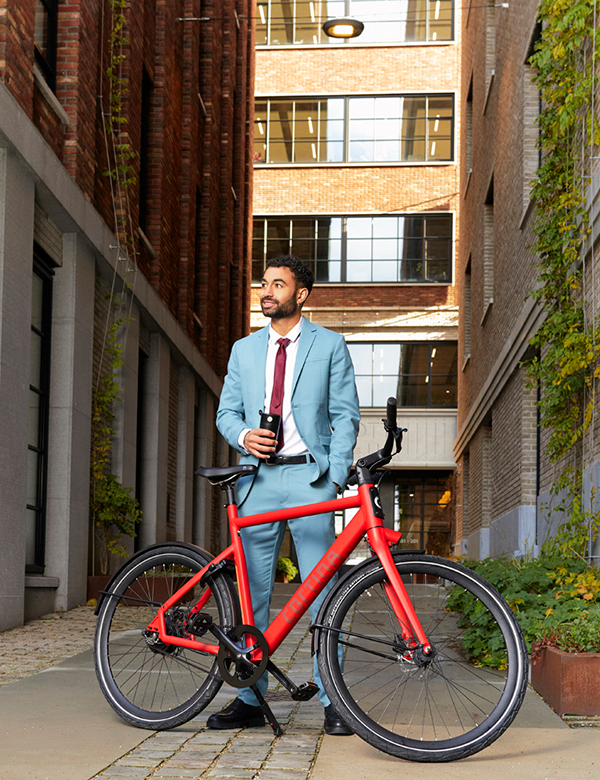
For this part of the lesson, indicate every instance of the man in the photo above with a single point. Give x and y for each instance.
(304, 372)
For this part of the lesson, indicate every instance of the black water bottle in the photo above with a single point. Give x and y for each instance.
(270, 422)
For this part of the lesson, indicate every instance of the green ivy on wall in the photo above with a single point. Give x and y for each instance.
(568, 345)
(113, 508)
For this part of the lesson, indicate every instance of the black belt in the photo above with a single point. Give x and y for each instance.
(289, 460)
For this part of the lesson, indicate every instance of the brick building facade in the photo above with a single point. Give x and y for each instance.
(186, 101)
(355, 149)
(504, 475)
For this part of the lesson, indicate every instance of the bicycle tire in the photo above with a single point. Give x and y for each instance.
(157, 686)
(447, 709)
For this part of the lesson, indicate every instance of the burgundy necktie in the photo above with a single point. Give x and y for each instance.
(278, 383)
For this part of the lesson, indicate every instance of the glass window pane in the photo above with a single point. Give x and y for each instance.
(33, 466)
(385, 248)
(414, 359)
(34, 419)
(386, 151)
(361, 151)
(362, 358)
(41, 27)
(37, 301)
(438, 271)
(413, 390)
(384, 387)
(385, 227)
(35, 358)
(385, 271)
(364, 387)
(443, 391)
(30, 536)
(359, 249)
(281, 21)
(328, 272)
(358, 227)
(358, 272)
(304, 248)
(386, 359)
(438, 226)
(388, 107)
(303, 228)
(437, 249)
(412, 270)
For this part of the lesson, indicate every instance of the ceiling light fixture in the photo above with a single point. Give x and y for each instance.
(343, 28)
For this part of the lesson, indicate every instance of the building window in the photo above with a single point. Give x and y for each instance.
(467, 313)
(417, 374)
(352, 249)
(298, 22)
(46, 17)
(488, 249)
(390, 128)
(39, 383)
(424, 511)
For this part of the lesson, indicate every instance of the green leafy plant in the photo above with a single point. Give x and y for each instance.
(286, 567)
(568, 344)
(113, 509)
(551, 598)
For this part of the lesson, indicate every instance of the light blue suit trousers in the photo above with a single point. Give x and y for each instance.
(276, 487)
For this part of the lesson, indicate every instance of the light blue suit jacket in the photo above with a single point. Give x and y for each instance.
(324, 399)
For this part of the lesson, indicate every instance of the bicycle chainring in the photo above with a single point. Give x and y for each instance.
(236, 672)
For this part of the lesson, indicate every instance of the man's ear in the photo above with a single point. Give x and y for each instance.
(301, 295)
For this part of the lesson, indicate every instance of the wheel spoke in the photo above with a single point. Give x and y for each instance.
(150, 683)
(423, 708)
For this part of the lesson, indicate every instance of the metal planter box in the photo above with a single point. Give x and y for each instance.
(568, 682)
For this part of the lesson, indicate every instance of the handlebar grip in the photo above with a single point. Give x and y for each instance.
(391, 412)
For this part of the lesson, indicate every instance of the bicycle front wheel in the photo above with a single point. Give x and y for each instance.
(441, 707)
(148, 683)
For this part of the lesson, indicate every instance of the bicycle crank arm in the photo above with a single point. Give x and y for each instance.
(237, 649)
(302, 692)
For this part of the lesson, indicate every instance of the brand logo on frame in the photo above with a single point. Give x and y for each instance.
(314, 582)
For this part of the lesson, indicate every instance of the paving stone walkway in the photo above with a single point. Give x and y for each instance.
(191, 751)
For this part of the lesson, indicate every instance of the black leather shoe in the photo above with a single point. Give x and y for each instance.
(237, 715)
(334, 725)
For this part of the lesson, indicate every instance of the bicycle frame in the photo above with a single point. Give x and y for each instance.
(366, 520)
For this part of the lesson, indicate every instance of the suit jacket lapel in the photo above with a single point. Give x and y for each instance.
(305, 342)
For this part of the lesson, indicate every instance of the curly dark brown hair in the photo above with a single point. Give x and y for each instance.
(302, 273)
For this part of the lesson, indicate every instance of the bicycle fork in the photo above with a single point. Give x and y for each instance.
(411, 629)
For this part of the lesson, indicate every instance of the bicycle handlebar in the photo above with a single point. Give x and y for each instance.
(367, 465)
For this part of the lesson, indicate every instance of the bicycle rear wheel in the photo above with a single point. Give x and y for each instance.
(150, 684)
(441, 708)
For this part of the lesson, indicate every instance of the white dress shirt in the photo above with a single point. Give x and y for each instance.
(292, 441)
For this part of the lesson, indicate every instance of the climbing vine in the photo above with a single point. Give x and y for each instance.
(568, 342)
(113, 508)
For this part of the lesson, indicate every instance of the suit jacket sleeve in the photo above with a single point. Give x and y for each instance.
(344, 413)
(231, 415)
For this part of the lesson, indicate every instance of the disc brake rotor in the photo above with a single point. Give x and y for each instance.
(233, 670)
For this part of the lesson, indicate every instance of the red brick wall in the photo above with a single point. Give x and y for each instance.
(196, 161)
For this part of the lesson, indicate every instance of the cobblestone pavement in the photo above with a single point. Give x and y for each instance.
(45, 642)
(191, 751)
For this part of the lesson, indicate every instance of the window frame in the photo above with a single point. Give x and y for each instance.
(325, 42)
(264, 219)
(268, 101)
(47, 62)
(431, 345)
(43, 269)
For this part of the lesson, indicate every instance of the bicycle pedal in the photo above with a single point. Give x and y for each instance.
(305, 691)
(199, 623)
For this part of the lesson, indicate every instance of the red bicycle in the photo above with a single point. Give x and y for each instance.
(393, 637)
